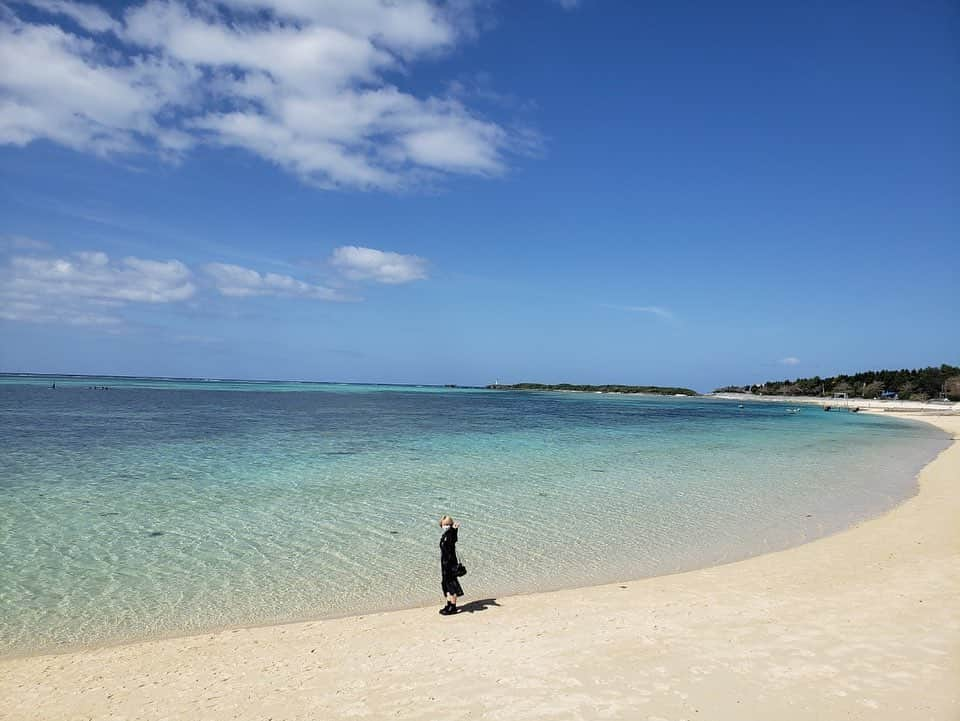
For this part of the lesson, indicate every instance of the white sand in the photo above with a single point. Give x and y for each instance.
(929, 407)
(861, 625)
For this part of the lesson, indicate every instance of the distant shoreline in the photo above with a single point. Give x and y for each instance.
(586, 388)
(249, 381)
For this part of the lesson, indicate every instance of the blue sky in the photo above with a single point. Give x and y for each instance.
(666, 193)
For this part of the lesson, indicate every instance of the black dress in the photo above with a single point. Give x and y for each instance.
(448, 563)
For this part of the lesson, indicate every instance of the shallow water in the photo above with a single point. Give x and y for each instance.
(161, 507)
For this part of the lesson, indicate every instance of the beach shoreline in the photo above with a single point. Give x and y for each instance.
(928, 407)
(675, 644)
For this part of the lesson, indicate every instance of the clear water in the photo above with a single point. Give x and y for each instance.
(163, 507)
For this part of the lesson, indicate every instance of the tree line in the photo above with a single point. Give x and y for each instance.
(917, 384)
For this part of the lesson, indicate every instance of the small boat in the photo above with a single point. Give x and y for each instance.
(826, 408)
(793, 410)
(740, 405)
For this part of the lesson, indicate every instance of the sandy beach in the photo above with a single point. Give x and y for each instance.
(928, 407)
(864, 624)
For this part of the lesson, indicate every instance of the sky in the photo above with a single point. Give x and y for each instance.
(670, 193)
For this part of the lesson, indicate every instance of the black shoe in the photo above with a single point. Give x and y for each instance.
(445, 611)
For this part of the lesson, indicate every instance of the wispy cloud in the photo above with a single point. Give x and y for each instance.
(789, 361)
(194, 339)
(91, 289)
(21, 242)
(358, 263)
(89, 17)
(237, 281)
(305, 85)
(655, 310)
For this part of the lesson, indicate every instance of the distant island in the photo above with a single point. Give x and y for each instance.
(920, 384)
(654, 390)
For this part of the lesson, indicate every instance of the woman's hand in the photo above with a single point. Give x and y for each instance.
(456, 524)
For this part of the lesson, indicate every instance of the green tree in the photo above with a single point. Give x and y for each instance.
(843, 387)
(952, 387)
(873, 390)
(919, 383)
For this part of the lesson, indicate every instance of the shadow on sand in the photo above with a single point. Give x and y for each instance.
(482, 605)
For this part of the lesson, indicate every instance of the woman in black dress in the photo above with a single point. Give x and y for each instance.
(449, 565)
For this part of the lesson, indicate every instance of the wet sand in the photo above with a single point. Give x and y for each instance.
(864, 624)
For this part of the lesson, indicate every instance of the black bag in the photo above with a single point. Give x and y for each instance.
(461, 570)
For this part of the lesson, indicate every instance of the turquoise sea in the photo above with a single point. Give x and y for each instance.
(162, 507)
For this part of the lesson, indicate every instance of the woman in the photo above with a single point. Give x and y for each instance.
(449, 565)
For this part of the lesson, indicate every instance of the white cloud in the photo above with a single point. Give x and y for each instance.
(653, 309)
(92, 275)
(464, 144)
(299, 83)
(89, 17)
(357, 263)
(86, 288)
(237, 281)
(413, 25)
(656, 310)
(61, 87)
(89, 289)
(789, 361)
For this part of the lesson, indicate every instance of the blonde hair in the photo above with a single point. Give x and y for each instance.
(446, 521)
